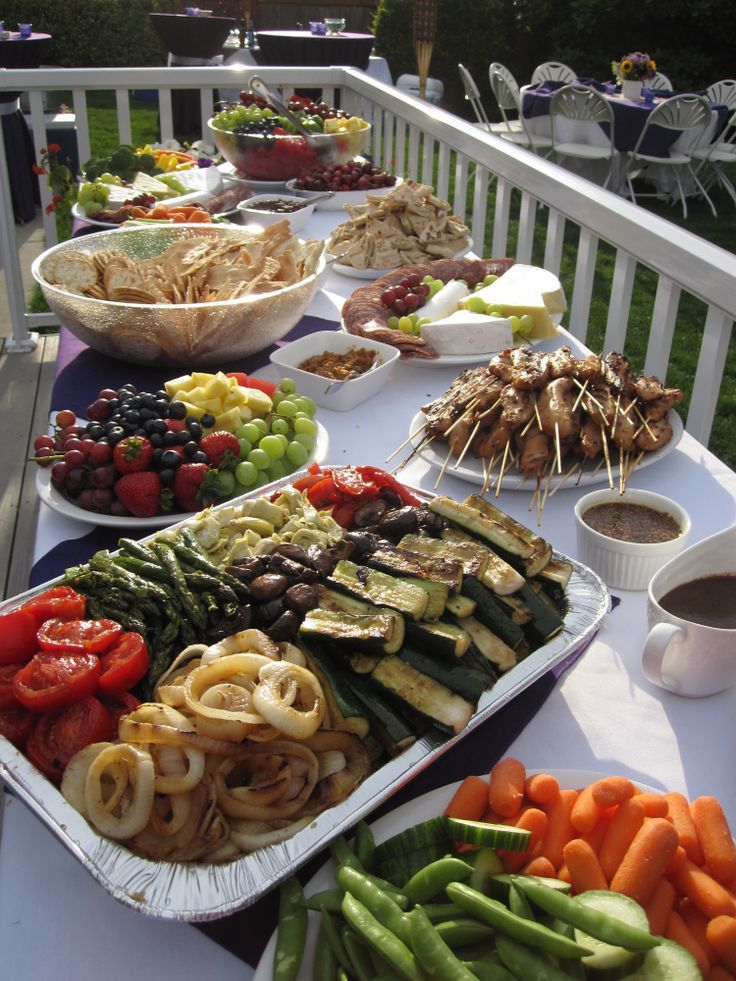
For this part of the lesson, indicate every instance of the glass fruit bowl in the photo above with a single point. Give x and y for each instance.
(275, 157)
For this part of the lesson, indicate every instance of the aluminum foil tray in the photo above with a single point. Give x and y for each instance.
(196, 892)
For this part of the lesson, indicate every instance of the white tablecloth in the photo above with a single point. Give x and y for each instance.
(602, 716)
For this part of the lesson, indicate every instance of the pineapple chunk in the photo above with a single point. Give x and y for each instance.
(216, 388)
(196, 411)
(235, 396)
(245, 413)
(211, 405)
(202, 377)
(196, 395)
(184, 383)
(230, 420)
(258, 402)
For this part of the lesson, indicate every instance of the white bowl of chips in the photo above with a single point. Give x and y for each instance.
(188, 295)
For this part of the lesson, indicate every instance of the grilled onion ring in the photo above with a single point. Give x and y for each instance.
(238, 801)
(220, 693)
(133, 765)
(290, 698)
(249, 641)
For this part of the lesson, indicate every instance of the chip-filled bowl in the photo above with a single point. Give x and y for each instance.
(190, 334)
(281, 157)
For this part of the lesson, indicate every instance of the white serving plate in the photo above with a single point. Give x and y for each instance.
(229, 172)
(193, 892)
(202, 182)
(429, 805)
(351, 271)
(341, 199)
(471, 468)
(62, 505)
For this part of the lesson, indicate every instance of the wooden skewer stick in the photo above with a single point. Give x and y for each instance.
(557, 447)
(487, 473)
(645, 423)
(527, 427)
(635, 464)
(539, 501)
(608, 459)
(615, 414)
(537, 415)
(489, 410)
(582, 392)
(444, 467)
(582, 468)
(503, 467)
(546, 490)
(468, 441)
(588, 395)
(567, 474)
(408, 440)
(460, 418)
(621, 471)
(417, 448)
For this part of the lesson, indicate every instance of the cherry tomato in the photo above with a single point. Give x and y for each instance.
(7, 695)
(78, 636)
(50, 681)
(17, 637)
(16, 725)
(119, 705)
(352, 482)
(124, 665)
(57, 736)
(59, 601)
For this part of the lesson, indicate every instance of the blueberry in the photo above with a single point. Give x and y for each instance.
(169, 438)
(128, 387)
(148, 414)
(156, 456)
(177, 410)
(114, 405)
(170, 459)
(155, 440)
(162, 407)
(147, 401)
(183, 437)
(167, 476)
(207, 420)
(133, 415)
(190, 449)
(95, 431)
(195, 430)
(115, 434)
(162, 396)
(131, 428)
(200, 457)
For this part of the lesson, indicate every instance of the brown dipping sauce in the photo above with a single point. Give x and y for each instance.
(278, 206)
(632, 523)
(329, 364)
(710, 601)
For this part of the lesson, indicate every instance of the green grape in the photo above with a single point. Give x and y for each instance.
(308, 426)
(286, 408)
(262, 427)
(308, 405)
(245, 447)
(273, 446)
(526, 325)
(406, 325)
(476, 304)
(279, 426)
(495, 310)
(226, 480)
(422, 321)
(297, 454)
(393, 322)
(277, 470)
(287, 386)
(245, 473)
(250, 432)
(262, 478)
(490, 278)
(283, 439)
(515, 324)
(305, 439)
(278, 396)
(259, 458)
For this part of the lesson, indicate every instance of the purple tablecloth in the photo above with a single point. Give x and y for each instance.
(303, 48)
(192, 37)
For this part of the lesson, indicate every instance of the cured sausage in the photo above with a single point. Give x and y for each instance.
(364, 314)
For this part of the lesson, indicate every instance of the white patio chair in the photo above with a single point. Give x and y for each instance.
(717, 155)
(506, 93)
(688, 115)
(434, 89)
(472, 94)
(659, 83)
(722, 93)
(553, 71)
(588, 110)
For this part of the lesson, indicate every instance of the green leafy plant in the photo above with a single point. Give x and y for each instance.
(59, 178)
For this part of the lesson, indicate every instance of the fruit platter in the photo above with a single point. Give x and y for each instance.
(147, 458)
(264, 145)
(349, 183)
(311, 586)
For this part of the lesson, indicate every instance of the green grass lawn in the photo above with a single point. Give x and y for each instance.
(700, 221)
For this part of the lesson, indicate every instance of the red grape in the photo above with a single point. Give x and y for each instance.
(87, 445)
(99, 410)
(108, 393)
(72, 443)
(400, 307)
(65, 418)
(400, 292)
(413, 280)
(100, 453)
(74, 459)
(388, 297)
(411, 302)
(42, 454)
(74, 481)
(43, 441)
(101, 500)
(86, 499)
(102, 476)
(58, 474)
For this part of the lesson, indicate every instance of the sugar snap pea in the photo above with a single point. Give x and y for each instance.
(334, 938)
(463, 930)
(591, 921)
(431, 950)
(291, 931)
(432, 879)
(324, 967)
(504, 921)
(400, 958)
(526, 964)
(359, 955)
(519, 904)
(441, 911)
(378, 902)
(489, 968)
(364, 845)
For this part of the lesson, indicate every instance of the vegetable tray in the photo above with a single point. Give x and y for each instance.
(198, 892)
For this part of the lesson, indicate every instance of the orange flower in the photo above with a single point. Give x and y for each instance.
(50, 208)
(53, 148)
(38, 170)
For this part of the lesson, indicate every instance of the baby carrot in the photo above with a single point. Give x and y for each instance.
(698, 925)
(560, 829)
(595, 837)
(583, 866)
(659, 906)
(586, 812)
(700, 888)
(655, 805)
(719, 973)
(721, 933)
(645, 860)
(535, 821)
(540, 866)
(470, 800)
(541, 788)
(625, 824)
(506, 786)
(715, 838)
(610, 791)
(563, 874)
(679, 931)
(678, 811)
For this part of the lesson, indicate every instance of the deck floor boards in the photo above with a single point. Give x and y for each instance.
(25, 383)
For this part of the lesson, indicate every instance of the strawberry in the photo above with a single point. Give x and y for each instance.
(187, 481)
(175, 425)
(132, 454)
(140, 493)
(222, 448)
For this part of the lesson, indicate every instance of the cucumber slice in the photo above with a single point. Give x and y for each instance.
(486, 863)
(667, 962)
(488, 835)
(605, 956)
(432, 832)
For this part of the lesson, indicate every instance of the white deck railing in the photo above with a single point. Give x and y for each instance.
(536, 202)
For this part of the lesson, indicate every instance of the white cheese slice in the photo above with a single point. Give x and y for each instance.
(464, 332)
(445, 301)
(528, 290)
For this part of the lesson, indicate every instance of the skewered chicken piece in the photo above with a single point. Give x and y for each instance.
(649, 388)
(531, 370)
(600, 404)
(591, 439)
(459, 436)
(617, 372)
(624, 427)
(562, 363)
(534, 450)
(517, 406)
(655, 436)
(490, 441)
(589, 369)
(555, 409)
(443, 411)
(658, 408)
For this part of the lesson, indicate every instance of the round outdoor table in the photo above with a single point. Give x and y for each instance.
(303, 48)
(18, 52)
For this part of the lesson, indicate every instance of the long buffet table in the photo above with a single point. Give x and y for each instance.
(600, 715)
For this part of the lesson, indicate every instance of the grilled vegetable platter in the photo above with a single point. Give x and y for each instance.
(312, 645)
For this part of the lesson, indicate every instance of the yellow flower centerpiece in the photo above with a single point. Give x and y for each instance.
(632, 72)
